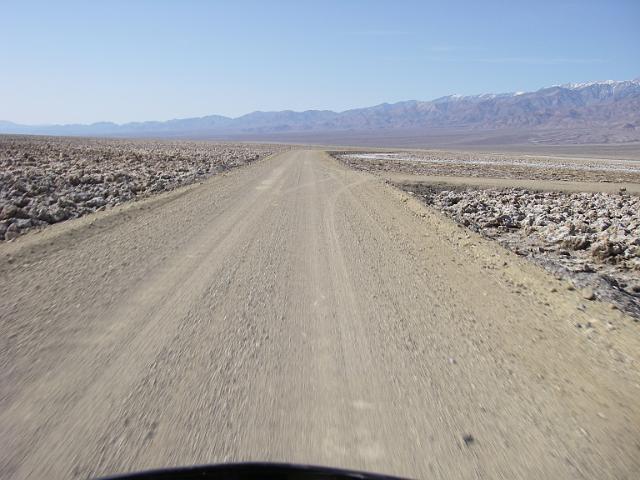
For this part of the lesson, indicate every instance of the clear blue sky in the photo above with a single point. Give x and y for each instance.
(129, 60)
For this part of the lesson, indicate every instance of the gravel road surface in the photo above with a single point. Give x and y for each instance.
(295, 310)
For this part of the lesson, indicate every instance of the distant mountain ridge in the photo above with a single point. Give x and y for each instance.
(614, 105)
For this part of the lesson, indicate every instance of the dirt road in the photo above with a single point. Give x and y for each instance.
(294, 310)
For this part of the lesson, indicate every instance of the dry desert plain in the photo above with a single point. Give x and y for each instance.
(428, 314)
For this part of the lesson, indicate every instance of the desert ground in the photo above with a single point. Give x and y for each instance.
(577, 216)
(408, 312)
(46, 180)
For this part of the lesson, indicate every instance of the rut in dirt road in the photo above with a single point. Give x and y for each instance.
(294, 310)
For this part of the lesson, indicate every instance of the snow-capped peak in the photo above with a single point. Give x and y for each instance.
(579, 86)
(480, 96)
(615, 87)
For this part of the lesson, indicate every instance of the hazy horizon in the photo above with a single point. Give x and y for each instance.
(76, 62)
(286, 109)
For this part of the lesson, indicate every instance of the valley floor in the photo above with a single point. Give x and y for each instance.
(297, 310)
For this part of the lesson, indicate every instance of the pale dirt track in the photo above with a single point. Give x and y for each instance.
(293, 310)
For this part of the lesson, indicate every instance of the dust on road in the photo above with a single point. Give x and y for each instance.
(294, 310)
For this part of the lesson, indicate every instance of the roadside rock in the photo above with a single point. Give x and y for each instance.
(493, 165)
(45, 180)
(590, 237)
(11, 232)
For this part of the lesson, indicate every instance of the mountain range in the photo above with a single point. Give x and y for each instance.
(612, 106)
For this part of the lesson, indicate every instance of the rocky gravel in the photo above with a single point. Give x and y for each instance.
(592, 238)
(494, 165)
(45, 180)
